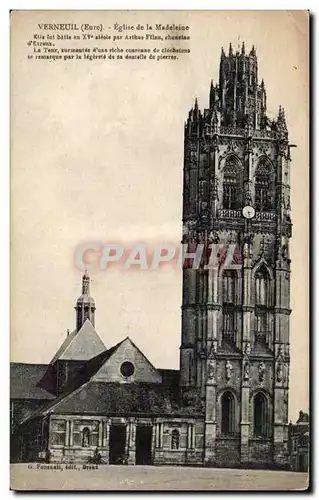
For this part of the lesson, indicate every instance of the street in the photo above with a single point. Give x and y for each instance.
(118, 477)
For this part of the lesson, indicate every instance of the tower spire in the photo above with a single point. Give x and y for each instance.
(253, 51)
(240, 98)
(85, 305)
(212, 95)
(86, 283)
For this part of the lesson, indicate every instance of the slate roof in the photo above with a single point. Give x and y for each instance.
(83, 395)
(38, 381)
(81, 345)
(113, 398)
(63, 346)
(24, 378)
(92, 366)
(87, 370)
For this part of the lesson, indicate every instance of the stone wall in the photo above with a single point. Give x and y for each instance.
(227, 452)
(188, 450)
(260, 453)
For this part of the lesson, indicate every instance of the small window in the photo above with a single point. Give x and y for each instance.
(127, 369)
(175, 439)
(58, 432)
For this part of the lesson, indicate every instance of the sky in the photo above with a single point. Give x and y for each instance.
(97, 155)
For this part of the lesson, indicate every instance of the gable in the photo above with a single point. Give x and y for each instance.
(81, 346)
(127, 352)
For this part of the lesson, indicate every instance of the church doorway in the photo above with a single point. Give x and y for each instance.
(143, 445)
(117, 444)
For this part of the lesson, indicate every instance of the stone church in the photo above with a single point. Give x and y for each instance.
(227, 406)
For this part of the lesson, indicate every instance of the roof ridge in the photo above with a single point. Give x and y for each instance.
(29, 364)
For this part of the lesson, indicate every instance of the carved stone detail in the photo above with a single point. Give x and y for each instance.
(246, 371)
(261, 371)
(229, 370)
(211, 370)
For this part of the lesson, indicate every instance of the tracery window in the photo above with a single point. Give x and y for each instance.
(263, 187)
(231, 184)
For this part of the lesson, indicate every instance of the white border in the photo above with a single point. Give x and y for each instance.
(4, 172)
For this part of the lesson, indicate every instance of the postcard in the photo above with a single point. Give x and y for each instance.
(159, 250)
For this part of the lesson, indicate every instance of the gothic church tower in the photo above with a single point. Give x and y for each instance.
(235, 318)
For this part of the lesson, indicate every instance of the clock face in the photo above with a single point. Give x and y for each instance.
(248, 212)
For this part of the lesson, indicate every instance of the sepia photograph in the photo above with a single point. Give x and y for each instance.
(159, 250)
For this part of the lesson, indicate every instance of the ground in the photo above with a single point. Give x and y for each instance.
(118, 477)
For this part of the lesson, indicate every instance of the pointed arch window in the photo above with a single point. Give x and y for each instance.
(260, 408)
(231, 185)
(228, 414)
(263, 187)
